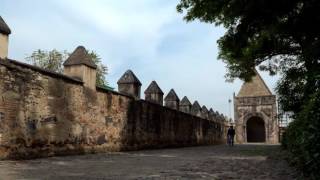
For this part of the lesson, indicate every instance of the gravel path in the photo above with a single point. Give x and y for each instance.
(205, 162)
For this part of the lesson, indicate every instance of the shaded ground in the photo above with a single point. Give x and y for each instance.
(207, 162)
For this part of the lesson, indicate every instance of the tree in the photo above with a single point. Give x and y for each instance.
(101, 69)
(278, 36)
(53, 60)
(50, 60)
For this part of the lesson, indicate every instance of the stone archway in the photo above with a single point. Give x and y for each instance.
(256, 131)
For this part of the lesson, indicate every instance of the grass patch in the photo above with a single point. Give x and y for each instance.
(270, 151)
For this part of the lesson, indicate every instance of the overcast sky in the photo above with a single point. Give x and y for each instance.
(147, 36)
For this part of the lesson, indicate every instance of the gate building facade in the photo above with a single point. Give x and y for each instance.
(256, 113)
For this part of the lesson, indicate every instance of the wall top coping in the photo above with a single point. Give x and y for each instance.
(10, 63)
(170, 109)
(104, 90)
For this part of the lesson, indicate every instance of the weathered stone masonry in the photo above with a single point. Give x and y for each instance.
(43, 113)
(256, 113)
(46, 114)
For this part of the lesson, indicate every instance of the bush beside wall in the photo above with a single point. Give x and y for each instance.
(302, 139)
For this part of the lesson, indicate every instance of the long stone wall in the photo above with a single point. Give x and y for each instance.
(151, 125)
(45, 114)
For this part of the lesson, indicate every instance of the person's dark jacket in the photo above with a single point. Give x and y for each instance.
(231, 132)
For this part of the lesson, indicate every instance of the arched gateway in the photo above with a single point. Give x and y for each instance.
(256, 130)
(255, 113)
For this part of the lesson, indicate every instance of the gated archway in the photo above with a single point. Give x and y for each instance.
(256, 130)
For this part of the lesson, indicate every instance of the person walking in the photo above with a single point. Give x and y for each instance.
(230, 136)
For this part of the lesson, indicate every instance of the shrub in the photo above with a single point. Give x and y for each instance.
(302, 139)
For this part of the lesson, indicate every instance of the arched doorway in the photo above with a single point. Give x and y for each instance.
(256, 130)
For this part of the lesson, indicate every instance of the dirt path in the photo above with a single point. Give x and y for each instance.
(206, 162)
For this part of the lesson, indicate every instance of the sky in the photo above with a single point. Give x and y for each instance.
(147, 36)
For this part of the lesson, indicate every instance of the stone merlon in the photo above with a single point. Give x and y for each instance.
(153, 88)
(172, 100)
(204, 109)
(80, 65)
(129, 84)
(185, 102)
(80, 56)
(129, 78)
(204, 112)
(153, 93)
(211, 114)
(196, 109)
(185, 105)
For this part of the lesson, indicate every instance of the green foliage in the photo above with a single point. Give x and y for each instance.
(263, 150)
(279, 36)
(302, 139)
(53, 61)
(50, 60)
(291, 88)
(263, 32)
(101, 70)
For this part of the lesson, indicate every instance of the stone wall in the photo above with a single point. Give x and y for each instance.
(45, 114)
(151, 125)
(87, 75)
(263, 107)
